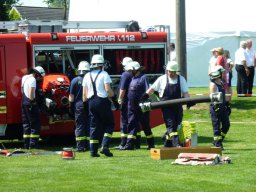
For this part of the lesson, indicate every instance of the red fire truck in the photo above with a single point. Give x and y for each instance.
(59, 54)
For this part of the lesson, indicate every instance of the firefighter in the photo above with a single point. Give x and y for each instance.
(170, 86)
(97, 91)
(125, 80)
(78, 110)
(30, 109)
(219, 112)
(137, 87)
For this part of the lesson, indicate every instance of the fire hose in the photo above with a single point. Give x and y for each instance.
(148, 106)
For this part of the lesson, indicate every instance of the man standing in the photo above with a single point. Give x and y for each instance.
(242, 69)
(96, 91)
(138, 86)
(125, 80)
(170, 86)
(78, 110)
(30, 110)
(250, 62)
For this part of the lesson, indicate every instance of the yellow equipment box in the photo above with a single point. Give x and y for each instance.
(173, 152)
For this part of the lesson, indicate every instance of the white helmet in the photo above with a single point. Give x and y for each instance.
(133, 65)
(97, 60)
(126, 60)
(83, 67)
(172, 66)
(39, 70)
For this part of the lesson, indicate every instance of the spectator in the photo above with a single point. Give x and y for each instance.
(242, 69)
(250, 62)
(172, 52)
(229, 68)
(212, 61)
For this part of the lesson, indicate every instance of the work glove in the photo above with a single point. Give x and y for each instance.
(115, 102)
(120, 102)
(190, 104)
(228, 108)
(71, 109)
(217, 108)
(144, 97)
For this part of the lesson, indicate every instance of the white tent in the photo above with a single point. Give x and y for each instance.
(198, 53)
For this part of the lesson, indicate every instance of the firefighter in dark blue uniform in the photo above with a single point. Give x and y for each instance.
(30, 110)
(77, 108)
(170, 86)
(219, 112)
(137, 88)
(97, 92)
(125, 80)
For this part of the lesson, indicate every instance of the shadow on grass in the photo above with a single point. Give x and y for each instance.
(243, 103)
(203, 139)
(48, 144)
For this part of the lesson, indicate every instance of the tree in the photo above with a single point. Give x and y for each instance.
(59, 4)
(5, 7)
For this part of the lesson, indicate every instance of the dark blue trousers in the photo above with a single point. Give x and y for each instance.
(82, 130)
(220, 124)
(101, 122)
(31, 125)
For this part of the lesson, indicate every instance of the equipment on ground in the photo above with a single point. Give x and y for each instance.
(68, 154)
(20, 152)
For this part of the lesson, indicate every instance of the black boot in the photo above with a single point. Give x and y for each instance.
(129, 145)
(151, 143)
(94, 149)
(95, 155)
(138, 141)
(26, 143)
(122, 144)
(168, 143)
(176, 141)
(106, 152)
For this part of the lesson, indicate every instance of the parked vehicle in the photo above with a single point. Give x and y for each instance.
(59, 54)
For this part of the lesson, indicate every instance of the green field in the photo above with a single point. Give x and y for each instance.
(135, 170)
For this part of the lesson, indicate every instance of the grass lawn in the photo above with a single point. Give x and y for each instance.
(135, 170)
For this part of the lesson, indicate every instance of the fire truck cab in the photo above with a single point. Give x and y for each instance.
(59, 54)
